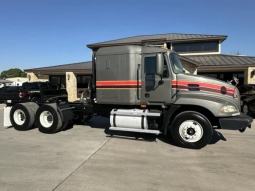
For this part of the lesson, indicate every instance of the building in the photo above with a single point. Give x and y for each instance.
(4, 82)
(200, 54)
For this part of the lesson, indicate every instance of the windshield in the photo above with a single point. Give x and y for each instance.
(176, 63)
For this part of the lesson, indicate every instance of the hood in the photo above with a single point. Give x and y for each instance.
(197, 85)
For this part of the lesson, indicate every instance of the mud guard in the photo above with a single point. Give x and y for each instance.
(166, 117)
(65, 112)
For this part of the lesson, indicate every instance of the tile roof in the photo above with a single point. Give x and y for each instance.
(65, 67)
(223, 60)
(189, 60)
(170, 37)
(198, 60)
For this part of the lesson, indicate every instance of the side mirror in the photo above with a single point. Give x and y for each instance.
(160, 64)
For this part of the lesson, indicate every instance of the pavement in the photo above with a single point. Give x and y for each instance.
(86, 158)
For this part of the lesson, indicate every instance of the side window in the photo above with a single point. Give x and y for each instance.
(150, 65)
(44, 86)
(53, 86)
(166, 70)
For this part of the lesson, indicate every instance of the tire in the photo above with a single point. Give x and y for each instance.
(192, 130)
(34, 107)
(22, 117)
(86, 118)
(35, 99)
(245, 109)
(64, 126)
(48, 119)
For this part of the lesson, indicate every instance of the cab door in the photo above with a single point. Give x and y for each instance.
(155, 89)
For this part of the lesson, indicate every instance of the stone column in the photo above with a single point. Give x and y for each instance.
(71, 86)
(250, 76)
(31, 77)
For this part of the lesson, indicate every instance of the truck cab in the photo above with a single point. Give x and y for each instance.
(130, 79)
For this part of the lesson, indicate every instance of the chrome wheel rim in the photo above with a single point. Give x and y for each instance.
(46, 119)
(19, 117)
(191, 131)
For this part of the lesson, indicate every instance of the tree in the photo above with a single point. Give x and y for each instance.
(12, 73)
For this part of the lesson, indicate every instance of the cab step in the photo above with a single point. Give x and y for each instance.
(135, 130)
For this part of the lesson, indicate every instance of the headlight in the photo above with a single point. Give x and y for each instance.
(228, 109)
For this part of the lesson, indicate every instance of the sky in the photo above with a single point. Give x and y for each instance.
(40, 33)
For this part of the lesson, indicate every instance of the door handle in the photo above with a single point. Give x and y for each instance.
(147, 95)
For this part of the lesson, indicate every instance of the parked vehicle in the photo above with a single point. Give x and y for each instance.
(31, 92)
(247, 97)
(17, 83)
(10, 93)
(128, 86)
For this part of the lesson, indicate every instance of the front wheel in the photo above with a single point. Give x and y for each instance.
(191, 129)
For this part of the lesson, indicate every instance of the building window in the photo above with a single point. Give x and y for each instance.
(83, 81)
(225, 76)
(210, 75)
(210, 46)
(60, 79)
(192, 47)
(180, 47)
(196, 47)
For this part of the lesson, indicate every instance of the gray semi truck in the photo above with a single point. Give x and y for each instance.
(143, 89)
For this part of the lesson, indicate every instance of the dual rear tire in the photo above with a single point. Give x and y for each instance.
(22, 116)
(48, 119)
(25, 116)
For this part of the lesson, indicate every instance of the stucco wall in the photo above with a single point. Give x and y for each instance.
(32, 77)
(189, 68)
(248, 77)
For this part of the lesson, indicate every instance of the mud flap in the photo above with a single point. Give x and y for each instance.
(7, 121)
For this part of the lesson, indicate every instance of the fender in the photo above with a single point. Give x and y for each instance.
(167, 115)
(65, 112)
(213, 104)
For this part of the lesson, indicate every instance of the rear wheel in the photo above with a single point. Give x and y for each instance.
(33, 106)
(22, 117)
(48, 119)
(35, 99)
(191, 129)
(64, 126)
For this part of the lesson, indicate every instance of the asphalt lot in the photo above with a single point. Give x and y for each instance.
(85, 158)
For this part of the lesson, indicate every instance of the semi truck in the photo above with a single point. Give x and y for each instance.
(143, 89)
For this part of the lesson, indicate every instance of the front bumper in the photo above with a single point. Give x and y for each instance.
(236, 123)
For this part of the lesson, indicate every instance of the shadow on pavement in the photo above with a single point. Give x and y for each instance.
(167, 139)
(217, 136)
(104, 123)
(98, 122)
(131, 135)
